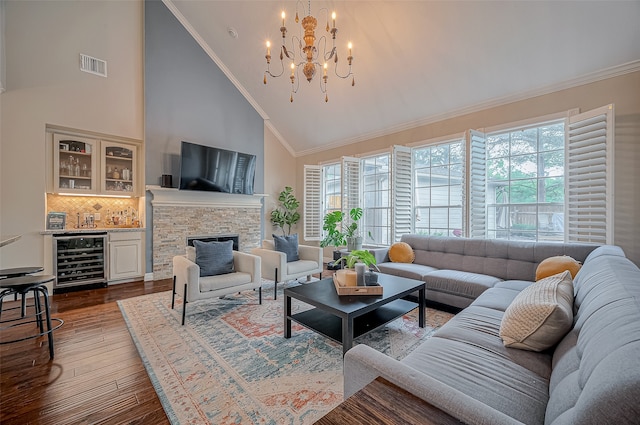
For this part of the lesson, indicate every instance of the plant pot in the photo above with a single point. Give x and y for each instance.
(354, 243)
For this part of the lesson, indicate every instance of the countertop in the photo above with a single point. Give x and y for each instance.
(97, 229)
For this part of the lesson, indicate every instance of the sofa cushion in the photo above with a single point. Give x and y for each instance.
(214, 258)
(557, 264)
(465, 284)
(408, 270)
(484, 374)
(287, 244)
(301, 266)
(401, 252)
(540, 315)
(213, 283)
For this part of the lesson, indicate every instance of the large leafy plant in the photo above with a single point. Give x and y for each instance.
(337, 229)
(286, 213)
(359, 256)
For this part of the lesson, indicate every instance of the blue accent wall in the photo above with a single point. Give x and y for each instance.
(187, 97)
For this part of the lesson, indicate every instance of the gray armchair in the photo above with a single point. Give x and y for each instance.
(188, 283)
(276, 268)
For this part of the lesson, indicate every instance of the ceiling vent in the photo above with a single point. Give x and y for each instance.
(93, 65)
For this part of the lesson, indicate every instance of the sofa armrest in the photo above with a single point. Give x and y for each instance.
(363, 364)
(270, 259)
(247, 263)
(381, 254)
(188, 272)
(311, 253)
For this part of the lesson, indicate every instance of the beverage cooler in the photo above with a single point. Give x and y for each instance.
(79, 259)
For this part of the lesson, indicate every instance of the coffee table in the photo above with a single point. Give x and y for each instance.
(342, 318)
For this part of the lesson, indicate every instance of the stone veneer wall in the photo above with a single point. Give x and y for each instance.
(172, 225)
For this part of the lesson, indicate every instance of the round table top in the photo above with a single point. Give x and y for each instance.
(20, 271)
(29, 280)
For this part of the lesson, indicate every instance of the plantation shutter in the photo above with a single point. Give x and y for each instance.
(589, 177)
(350, 184)
(312, 209)
(477, 184)
(402, 192)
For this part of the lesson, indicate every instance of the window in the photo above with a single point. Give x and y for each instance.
(550, 180)
(525, 183)
(438, 189)
(376, 200)
(332, 188)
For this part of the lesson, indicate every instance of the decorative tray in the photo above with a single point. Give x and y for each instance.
(343, 289)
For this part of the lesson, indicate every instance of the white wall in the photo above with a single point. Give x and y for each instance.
(45, 86)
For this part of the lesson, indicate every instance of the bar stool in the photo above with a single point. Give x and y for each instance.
(22, 285)
(19, 271)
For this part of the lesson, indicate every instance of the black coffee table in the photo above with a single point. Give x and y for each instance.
(345, 317)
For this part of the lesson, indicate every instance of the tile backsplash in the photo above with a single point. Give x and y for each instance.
(74, 205)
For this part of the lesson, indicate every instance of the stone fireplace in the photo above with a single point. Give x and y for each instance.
(178, 215)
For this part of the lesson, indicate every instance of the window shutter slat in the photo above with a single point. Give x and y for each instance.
(477, 160)
(402, 191)
(350, 184)
(312, 203)
(589, 177)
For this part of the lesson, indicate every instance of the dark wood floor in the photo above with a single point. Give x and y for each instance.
(96, 377)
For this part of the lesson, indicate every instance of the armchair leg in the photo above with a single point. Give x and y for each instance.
(173, 294)
(184, 304)
(275, 286)
(260, 295)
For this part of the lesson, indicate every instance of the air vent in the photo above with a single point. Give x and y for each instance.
(93, 65)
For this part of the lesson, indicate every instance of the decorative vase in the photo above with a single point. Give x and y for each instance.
(347, 277)
(354, 243)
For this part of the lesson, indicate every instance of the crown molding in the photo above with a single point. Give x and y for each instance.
(614, 71)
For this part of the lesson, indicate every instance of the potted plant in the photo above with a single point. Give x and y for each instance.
(286, 213)
(332, 225)
(354, 240)
(348, 274)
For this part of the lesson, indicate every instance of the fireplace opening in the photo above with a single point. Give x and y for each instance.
(216, 238)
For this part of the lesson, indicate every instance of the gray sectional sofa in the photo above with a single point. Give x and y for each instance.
(592, 376)
(458, 270)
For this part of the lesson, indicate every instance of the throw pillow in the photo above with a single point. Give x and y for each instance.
(288, 245)
(558, 264)
(401, 252)
(540, 315)
(214, 258)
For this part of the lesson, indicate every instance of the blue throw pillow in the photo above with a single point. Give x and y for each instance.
(288, 245)
(214, 258)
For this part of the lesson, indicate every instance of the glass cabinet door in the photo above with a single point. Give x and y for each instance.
(74, 169)
(118, 175)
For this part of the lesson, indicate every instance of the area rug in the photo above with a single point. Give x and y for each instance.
(230, 363)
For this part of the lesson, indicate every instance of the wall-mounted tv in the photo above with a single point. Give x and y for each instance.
(213, 169)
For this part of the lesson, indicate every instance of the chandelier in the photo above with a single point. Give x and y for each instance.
(304, 53)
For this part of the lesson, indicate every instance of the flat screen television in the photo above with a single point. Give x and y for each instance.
(213, 169)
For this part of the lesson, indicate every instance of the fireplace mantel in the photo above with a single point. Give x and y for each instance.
(179, 214)
(170, 197)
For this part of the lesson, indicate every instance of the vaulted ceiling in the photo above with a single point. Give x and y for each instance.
(414, 61)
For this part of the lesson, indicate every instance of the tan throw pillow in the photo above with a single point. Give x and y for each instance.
(401, 252)
(555, 265)
(540, 315)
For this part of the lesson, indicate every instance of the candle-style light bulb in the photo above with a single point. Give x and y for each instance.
(293, 68)
(349, 46)
(268, 47)
(283, 16)
(333, 16)
(325, 69)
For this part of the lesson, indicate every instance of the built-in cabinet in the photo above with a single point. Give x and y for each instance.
(90, 166)
(125, 255)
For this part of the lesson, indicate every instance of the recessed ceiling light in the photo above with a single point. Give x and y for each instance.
(232, 32)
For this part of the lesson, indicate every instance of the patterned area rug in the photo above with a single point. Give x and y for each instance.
(230, 363)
